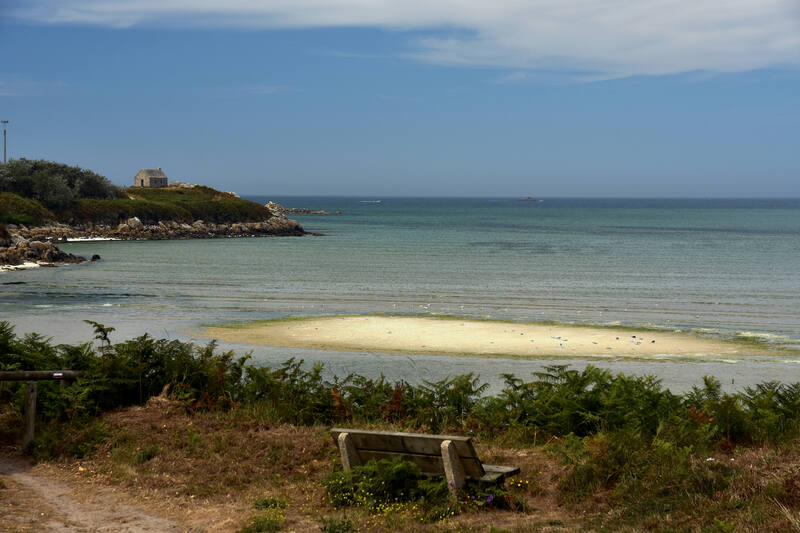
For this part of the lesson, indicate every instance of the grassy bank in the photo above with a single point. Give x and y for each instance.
(598, 452)
(37, 192)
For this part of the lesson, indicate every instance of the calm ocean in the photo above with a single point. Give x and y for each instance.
(725, 267)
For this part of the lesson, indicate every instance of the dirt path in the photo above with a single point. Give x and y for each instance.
(32, 502)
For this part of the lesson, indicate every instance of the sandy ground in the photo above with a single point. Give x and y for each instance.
(470, 337)
(33, 501)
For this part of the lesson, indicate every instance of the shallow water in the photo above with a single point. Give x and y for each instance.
(728, 267)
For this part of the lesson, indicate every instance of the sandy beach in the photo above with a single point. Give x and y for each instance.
(453, 336)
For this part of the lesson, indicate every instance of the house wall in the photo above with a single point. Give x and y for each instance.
(148, 181)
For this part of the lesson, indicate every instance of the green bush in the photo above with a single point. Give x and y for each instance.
(53, 184)
(337, 525)
(78, 438)
(264, 523)
(268, 502)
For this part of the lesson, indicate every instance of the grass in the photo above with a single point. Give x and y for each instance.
(761, 489)
(597, 450)
(15, 209)
(149, 205)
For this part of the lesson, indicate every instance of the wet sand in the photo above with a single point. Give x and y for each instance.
(453, 336)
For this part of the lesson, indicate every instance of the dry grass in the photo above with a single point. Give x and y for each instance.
(205, 471)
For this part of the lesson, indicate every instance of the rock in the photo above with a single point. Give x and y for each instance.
(36, 252)
(95, 257)
(276, 209)
(5, 237)
(134, 223)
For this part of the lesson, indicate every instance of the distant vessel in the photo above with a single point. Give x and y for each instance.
(370, 201)
(530, 199)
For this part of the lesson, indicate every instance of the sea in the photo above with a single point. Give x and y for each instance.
(721, 268)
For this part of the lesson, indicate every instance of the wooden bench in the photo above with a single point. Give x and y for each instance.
(452, 456)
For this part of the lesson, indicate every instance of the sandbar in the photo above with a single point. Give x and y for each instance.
(454, 336)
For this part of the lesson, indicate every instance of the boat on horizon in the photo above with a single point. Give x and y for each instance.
(369, 201)
(530, 199)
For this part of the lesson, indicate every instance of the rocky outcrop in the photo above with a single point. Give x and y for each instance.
(279, 210)
(134, 229)
(39, 252)
(22, 244)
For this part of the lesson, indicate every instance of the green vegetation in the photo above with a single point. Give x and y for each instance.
(337, 525)
(15, 209)
(35, 192)
(381, 486)
(264, 523)
(646, 458)
(54, 185)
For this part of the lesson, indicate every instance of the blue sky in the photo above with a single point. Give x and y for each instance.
(436, 98)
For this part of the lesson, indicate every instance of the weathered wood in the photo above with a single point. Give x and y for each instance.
(377, 443)
(429, 452)
(30, 413)
(350, 457)
(38, 375)
(453, 470)
(430, 465)
(495, 473)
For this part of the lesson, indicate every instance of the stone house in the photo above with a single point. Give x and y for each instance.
(150, 177)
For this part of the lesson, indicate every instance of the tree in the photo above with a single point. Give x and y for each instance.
(51, 190)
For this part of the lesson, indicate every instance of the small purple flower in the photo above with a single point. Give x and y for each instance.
(490, 498)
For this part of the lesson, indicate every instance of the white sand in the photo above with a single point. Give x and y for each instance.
(470, 337)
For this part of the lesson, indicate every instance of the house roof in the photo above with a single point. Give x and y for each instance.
(152, 173)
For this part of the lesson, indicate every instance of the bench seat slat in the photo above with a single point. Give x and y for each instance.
(406, 442)
(495, 473)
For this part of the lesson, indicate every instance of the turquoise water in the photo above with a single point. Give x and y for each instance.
(727, 267)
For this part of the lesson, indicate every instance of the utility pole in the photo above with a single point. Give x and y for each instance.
(4, 139)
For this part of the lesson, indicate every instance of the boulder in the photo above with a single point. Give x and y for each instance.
(134, 223)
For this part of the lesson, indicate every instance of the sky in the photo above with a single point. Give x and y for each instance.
(613, 98)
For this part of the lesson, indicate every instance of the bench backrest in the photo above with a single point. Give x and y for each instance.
(422, 449)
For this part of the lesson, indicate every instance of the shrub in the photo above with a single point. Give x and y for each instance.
(337, 525)
(268, 502)
(74, 439)
(264, 523)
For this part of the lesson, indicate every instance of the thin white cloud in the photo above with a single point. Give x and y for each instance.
(512, 77)
(607, 37)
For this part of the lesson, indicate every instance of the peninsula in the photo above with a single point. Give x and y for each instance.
(43, 202)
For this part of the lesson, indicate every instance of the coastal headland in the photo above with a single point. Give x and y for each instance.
(42, 202)
(469, 337)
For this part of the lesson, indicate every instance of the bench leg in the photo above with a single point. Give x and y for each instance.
(453, 469)
(349, 454)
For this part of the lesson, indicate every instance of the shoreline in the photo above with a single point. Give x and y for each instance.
(135, 229)
(479, 338)
(21, 244)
